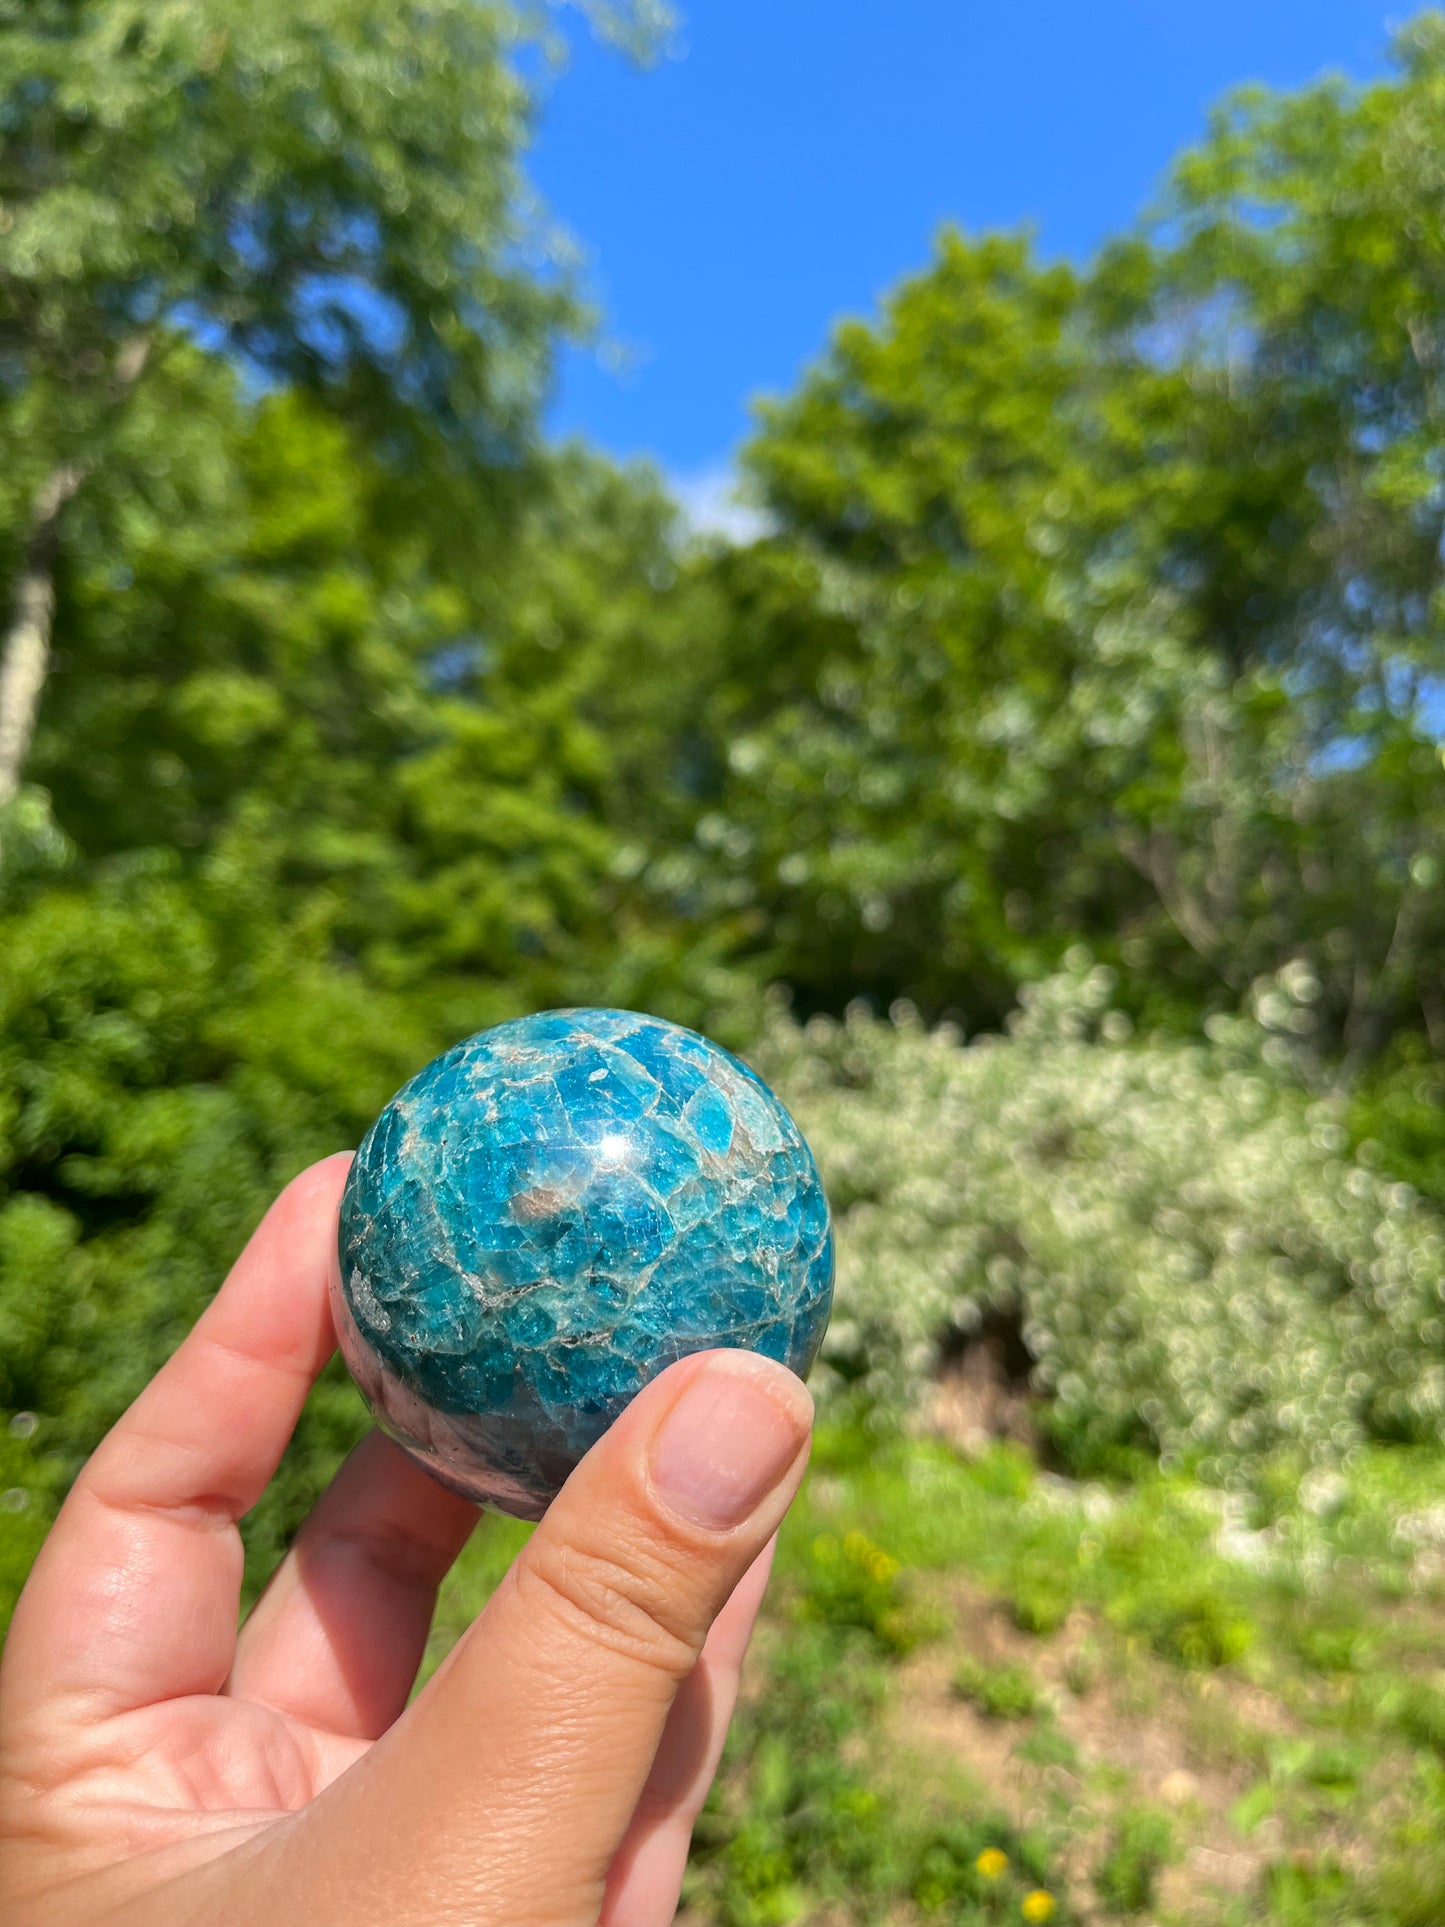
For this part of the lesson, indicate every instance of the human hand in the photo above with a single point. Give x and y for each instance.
(158, 1769)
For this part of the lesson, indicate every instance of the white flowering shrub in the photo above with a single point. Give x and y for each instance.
(1197, 1261)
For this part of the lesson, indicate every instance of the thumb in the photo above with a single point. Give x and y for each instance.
(503, 1793)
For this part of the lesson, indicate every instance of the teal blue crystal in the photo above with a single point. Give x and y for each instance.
(550, 1214)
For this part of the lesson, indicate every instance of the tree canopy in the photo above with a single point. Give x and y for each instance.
(1107, 603)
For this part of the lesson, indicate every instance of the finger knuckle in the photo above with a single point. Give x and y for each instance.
(630, 1605)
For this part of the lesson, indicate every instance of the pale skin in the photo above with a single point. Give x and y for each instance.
(160, 1769)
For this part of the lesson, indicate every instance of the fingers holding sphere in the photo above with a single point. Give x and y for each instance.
(506, 1790)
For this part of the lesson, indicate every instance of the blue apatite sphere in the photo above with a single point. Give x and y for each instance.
(551, 1213)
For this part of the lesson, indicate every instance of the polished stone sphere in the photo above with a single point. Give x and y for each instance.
(551, 1213)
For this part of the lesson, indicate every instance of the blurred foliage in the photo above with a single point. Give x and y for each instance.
(808, 1824)
(1002, 1692)
(1396, 1112)
(1129, 1873)
(244, 941)
(324, 193)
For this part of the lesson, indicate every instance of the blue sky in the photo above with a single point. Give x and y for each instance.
(797, 157)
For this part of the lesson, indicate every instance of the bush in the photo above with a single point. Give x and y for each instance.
(1196, 1258)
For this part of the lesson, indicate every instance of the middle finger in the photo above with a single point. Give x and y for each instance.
(337, 1637)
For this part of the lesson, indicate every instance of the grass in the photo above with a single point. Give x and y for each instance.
(1140, 1848)
(1001, 1692)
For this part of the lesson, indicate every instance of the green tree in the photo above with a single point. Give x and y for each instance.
(1303, 261)
(901, 751)
(1108, 604)
(323, 192)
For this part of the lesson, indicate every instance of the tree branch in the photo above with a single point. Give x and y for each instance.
(1367, 1025)
(1153, 858)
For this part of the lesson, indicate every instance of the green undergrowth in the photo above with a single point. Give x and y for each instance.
(29, 1497)
(1292, 1637)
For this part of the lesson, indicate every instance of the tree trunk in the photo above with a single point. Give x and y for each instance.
(26, 653)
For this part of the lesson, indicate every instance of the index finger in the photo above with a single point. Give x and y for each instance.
(135, 1595)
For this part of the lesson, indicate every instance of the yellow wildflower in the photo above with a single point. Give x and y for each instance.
(1038, 1905)
(991, 1863)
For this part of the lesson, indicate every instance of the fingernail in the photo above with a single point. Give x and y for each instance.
(729, 1439)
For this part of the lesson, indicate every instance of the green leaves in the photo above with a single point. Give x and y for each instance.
(323, 190)
(329, 808)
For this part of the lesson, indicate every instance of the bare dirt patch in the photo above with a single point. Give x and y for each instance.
(982, 1390)
(1131, 1737)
